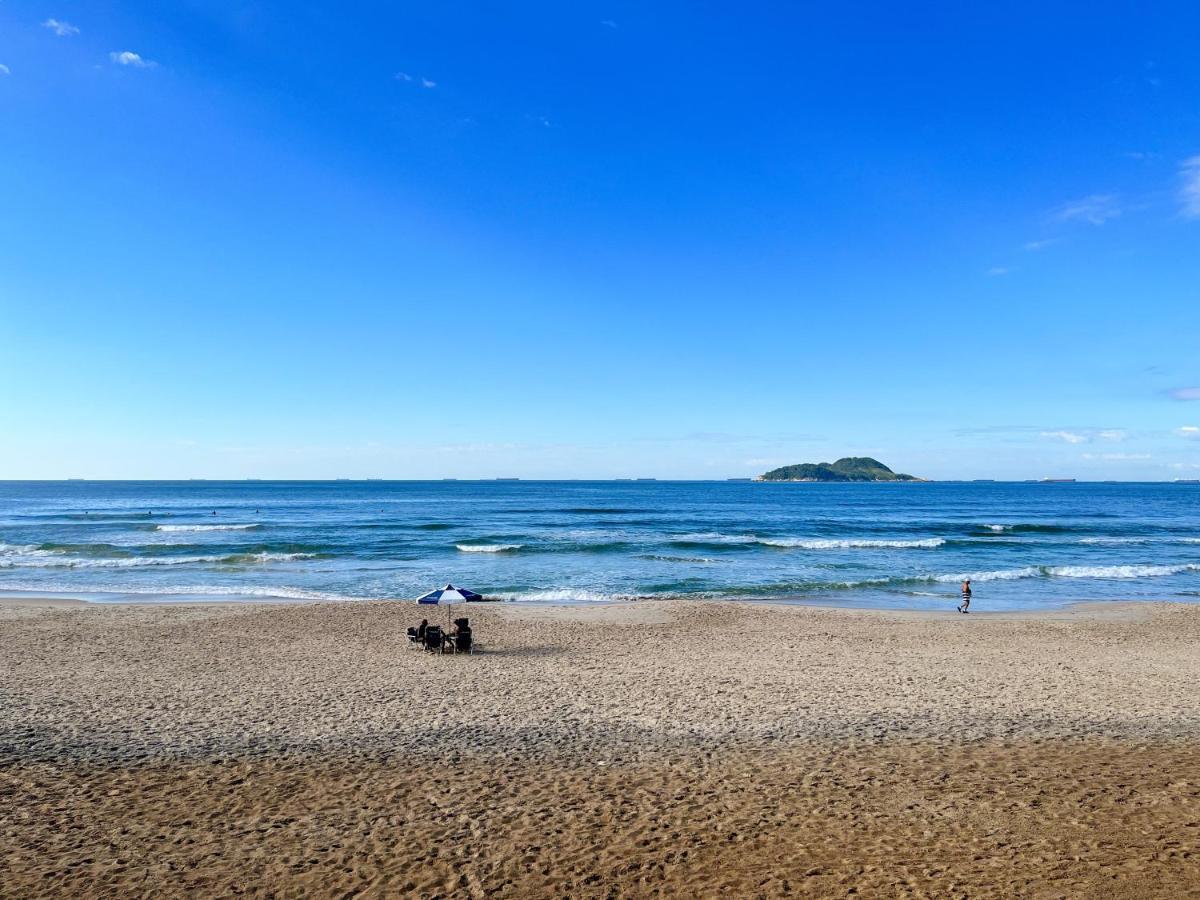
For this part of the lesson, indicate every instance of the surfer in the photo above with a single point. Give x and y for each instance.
(966, 596)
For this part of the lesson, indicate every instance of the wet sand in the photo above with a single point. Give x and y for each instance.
(651, 749)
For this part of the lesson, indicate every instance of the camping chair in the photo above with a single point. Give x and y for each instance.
(462, 637)
(434, 639)
(463, 642)
(414, 638)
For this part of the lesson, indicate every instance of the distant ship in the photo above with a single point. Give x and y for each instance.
(1057, 481)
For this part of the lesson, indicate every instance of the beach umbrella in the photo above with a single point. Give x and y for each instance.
(447, 597)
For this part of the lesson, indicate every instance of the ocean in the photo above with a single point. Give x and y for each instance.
(879, 545)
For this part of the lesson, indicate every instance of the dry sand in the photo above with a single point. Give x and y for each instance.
(649, 749)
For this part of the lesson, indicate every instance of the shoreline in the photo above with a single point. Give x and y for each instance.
(18, 598)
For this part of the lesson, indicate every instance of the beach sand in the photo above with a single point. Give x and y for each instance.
(650, 749)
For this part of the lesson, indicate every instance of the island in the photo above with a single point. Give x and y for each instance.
(849, 468)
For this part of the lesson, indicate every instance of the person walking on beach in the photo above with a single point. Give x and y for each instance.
(966, 596)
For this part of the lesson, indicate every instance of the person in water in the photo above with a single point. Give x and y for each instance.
(966, 596)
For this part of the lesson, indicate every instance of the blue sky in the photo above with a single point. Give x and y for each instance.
(598, 239)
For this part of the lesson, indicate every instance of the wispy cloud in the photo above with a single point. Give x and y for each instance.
(129, 58)
(1189, 431)
(411, 79)
(4, 70)
(62, 29)
(1095, 209)
(1189, 193)
(1117, 456)
(1185, 393)
(608, 23)
(1034, 246)
(995, 271)
(1070, 437)
(1086, 435)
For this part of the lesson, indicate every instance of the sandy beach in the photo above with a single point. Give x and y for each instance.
(646, 749)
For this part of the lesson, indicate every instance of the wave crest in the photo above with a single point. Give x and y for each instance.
(1134, 571)
(849, 544)
(566, 595)
(207, 527)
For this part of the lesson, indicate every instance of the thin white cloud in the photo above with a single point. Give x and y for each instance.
(1112, 434)
(1034, 246)
(1189, 431)
(997, 270)
(608, 23)
(1185, 393)
(129, 58)
(1070, 437)
(1189, 193)
(4, 70)
(1095, 209)
(62, 29)
(405, 77)
(1117, 456)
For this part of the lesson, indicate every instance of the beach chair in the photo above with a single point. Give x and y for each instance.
(414, 638)
(434, 639)
(461, 637)
(463, 642)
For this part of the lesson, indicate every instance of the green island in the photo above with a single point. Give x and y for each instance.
(849, 468)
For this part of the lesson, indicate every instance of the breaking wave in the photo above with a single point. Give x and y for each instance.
(565, 595)
(32, 556)
(1145, 571)
(207, 527)
(853, 544)
(994, 575)
(488, 548)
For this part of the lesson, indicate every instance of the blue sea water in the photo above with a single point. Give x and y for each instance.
(889, 545)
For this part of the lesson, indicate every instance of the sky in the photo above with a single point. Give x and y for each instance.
(598, 239)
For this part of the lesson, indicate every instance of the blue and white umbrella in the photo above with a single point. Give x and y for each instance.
(448, 595)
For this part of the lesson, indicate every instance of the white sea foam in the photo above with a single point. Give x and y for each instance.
(994, 575)
(487, 548)
(21, 549)
(206, 527)
(1114, 540)
(998, 528)
(863, 543)
(1145, 571)
(110, 593)
(566, 595)
(45, 559)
